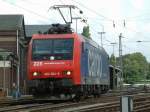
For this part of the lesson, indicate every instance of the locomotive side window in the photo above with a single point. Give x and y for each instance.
(59, 49)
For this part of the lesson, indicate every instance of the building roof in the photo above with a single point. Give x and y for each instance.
(35, 29)
(11, 22)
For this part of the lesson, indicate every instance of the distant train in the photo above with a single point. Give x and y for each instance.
(63, 63)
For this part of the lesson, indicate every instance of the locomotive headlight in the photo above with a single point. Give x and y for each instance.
(68, 73)
(35, 73)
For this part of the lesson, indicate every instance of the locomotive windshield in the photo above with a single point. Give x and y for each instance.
(52, 49)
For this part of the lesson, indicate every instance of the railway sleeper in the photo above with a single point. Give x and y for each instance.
(145, 107)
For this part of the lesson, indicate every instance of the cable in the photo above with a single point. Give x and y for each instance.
(127, 28)
(107, 40)
(74, 12)
(136, 17)
(90, 26)
(130, 29)
(93, 11)
(62, 2)
(30, 11)
(83, 16)
(31, 2)
(77, 15)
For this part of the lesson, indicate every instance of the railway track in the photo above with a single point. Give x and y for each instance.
(141, 104)
(15, 102)
(10, 102)
(106, 103)
(39, 107)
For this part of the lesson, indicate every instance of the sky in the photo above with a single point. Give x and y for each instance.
(130, 17)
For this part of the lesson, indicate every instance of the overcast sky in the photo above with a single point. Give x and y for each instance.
(100, 15)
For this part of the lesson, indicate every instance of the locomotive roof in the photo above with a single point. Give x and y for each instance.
(92, 42)
(47, 29)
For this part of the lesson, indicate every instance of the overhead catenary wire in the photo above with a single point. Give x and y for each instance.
(31, 2)
(137, 17)
(75, 2)
(30, 11)
(83, 16)
(127, 28)
(78, 15)
(93, 28)
(106, 18)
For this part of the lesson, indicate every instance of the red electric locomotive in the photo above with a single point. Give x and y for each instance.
(60, 63)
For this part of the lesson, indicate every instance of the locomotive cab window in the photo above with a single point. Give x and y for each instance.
(59, 49)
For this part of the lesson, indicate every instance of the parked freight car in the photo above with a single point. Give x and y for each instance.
(64, 63)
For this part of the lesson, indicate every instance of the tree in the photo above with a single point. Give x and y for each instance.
(86, 32)
(148, 73)
(112, 60)
(135, 66)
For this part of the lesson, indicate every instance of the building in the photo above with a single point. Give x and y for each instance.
(14, 39)
(12, 53)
